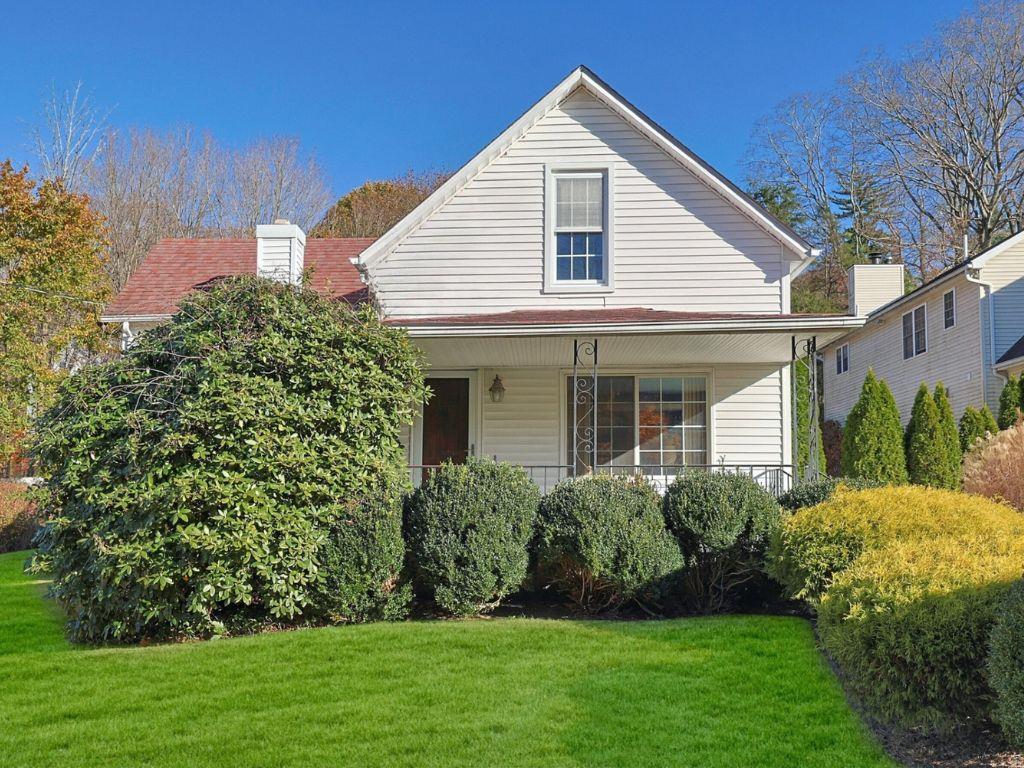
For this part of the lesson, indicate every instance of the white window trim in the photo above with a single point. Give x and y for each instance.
(638, 373)
(913, 339)
(950, 292)
(844, 358)
(551, 284)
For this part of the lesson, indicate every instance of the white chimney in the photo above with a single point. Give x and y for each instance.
(873, 285)
(279, 251)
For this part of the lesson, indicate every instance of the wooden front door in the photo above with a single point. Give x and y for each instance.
(446, 421)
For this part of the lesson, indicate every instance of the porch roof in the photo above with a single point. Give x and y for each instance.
(629, 336)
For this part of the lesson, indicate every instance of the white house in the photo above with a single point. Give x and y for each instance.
(588, 292)
(964, 328)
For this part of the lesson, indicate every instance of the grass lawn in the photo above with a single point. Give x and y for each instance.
(726, 691)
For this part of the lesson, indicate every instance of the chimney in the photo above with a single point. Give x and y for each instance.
(873, 285)
(279, 251)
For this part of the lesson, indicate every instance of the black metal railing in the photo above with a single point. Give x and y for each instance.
(774, 478)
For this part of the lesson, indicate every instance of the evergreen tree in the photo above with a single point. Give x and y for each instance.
(950, 436)
(1009, 402)
(802, 374)
(975, 424)
(927, 457)
(873, 437)
(988, 421)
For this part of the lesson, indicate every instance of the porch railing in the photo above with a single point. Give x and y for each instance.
(774, 478)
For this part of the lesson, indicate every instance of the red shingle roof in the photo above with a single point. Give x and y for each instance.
(173, 268)
(583, 316)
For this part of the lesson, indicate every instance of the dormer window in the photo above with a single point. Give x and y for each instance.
(578, 212)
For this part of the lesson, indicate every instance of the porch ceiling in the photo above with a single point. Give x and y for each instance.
(638, 349)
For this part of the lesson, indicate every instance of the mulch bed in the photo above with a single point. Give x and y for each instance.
(969, 748)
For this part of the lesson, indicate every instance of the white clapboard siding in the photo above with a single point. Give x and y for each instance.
(524, 427)
(749, 415)
(677, 244)
(954, 355)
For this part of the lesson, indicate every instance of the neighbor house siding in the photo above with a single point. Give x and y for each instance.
(677, 244)
(953, 356)
(1005, 273)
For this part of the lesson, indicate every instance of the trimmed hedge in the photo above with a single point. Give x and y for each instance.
(817, 543)
(602, 541)
(723, 523)
(815, 492)
(239, 465)
(468, 528)
(909, 625)
(1006, 665)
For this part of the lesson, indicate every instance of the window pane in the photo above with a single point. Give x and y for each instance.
(650, 390)
(919, 331)
(694, 414)
(650, 439)
(579, 267)
(596, 267)
(616, 428)
(908, 336)
(595, 243)
(671, 415)
(672, 439)
(672, 390)
(650, 458)
(650, 414)
(563, 244)
(564, 268)
(579, 244)
(839, 360)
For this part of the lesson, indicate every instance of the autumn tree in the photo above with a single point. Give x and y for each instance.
(372, 209)
(52, 285)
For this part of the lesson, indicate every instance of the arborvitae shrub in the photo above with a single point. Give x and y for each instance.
(1006, 665)
(928, 456)
(832, 438)
(468, 528)
(1010, 400)
(974, 426)
(804, 419)
(239, 465)
(873, 436)
(602, 541)
(723, 523)
(995, 467)
(951, 437)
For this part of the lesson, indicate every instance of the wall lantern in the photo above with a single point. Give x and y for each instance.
(497, 390)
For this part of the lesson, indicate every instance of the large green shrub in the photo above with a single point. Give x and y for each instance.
(909, 625)
(929, 461)
(723, 523)
(815, 492)
(1006, 665)
(873, 437)
(975, 425)
(950, 434)
(602, 541)
(1011, 400)
(239, 464)
(468, 528)
(816, 543)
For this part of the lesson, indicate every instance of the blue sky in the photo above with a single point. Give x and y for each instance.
(376, 88)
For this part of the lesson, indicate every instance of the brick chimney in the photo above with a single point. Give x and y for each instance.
(279, 251)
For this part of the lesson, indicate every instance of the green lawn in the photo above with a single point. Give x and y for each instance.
(729, 691)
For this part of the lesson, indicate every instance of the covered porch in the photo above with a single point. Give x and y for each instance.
(643, 395)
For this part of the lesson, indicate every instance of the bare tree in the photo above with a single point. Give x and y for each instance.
(66, 138)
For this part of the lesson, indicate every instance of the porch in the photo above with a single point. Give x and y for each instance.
(654, 396)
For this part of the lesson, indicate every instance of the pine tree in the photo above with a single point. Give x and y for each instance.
(1009, 401)
(950, 436)
(927, 457)
(971, 428)
(873, 437)
(802, 374)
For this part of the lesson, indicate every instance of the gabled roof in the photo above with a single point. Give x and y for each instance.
(581, 77)
(173, 268)
(1013, 354)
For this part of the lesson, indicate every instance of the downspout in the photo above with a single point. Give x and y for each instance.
(987, 287)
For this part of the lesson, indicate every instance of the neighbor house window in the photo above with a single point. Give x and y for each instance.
(949, 309)
(579, 227)
(654, 421)
(843, 359)
(915, 335)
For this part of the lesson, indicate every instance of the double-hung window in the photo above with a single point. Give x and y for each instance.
(652, 421)
(579, 242)
(915, 334)
(842, 359)
(949, 309)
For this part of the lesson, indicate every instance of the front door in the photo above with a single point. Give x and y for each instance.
(446, 421)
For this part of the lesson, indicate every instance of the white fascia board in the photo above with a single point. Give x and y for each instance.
(982, 258)
(579, 76)
(782, 325)
(1013, 362)
(134, 318)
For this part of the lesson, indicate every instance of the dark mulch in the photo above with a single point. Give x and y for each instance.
(969, 748)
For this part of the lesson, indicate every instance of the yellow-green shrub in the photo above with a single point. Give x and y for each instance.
(815, 544)
(909, 624)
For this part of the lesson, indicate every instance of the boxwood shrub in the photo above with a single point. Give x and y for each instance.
(909, 626)
(239, 465)
(723, 523)
(602, 541)
(1006, 665)
(468, 528)
(812, 492)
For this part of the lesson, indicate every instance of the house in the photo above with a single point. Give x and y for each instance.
(964, 328)
(589, 294)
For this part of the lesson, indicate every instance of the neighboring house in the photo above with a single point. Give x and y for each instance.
(964, 328)
(583, 249)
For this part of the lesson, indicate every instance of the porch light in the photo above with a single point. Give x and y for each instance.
(497, 390)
